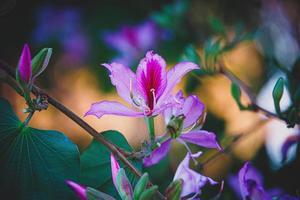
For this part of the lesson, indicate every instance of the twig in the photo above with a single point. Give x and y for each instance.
(115, 150)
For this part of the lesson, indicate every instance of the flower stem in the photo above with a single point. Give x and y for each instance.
(28, 118)
(151, 130)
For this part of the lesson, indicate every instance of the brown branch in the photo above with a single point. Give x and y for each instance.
(114, 149)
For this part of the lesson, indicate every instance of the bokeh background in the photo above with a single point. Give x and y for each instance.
(79, 31)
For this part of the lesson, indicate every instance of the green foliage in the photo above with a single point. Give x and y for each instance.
(190, 54)
(40, 61)
(34, 164)
(277, 94)
(95, 164)
(140, 186)
(236, 94)
(149, 193)
(217, 26)
(174, 190)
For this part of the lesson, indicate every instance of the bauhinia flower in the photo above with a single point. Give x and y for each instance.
(182, 121)
(24, 67)
(148, 91)
(131, 41)
(192, 180)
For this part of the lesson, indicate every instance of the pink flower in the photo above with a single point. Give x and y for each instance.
(182, 120)
(24, 67)
(148, 91)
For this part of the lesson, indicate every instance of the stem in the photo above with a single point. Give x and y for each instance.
(28, 118)
(151, 131)
(228, 74)
(114, 149)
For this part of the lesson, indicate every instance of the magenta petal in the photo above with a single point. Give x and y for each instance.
(123, 78)
(192, 109)
(151, 78)
(158, 154)
(174, 76)
(25, 64)
(78, 189)
(289, 142)
(114, 169)
(201, 138)
(113, 108)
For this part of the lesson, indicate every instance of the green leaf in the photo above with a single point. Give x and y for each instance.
(141, 186)
(236, 94)
(40, 61)
(93, 194)
(277, 94)
(34, 164)
(95, 164)
(190, 54)
(174, 190)
(217, 26)
(149, 193)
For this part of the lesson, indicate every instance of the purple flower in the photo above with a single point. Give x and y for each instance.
(131, 41)
(24, 68)
(251, 187)
(148, 91)
(79, 190)
(182, 124)
(192, 180)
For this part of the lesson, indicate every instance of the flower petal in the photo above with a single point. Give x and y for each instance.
(113, 108)
(174, 76)
(114, 169)
(192, 109)
(192, 180)
(201, 138)
(289, 142)
(25, 64)
(157, 154)
(78, 189)
(151, 78)
(123, 78)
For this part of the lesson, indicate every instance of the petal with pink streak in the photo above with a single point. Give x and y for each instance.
(192, 109)
(112, 108)
(123, 79)
(114, 169)
(158, 154)
(151, 78)
(174, 76)
(201, 138)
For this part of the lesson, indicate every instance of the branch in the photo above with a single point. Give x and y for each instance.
(114, 149)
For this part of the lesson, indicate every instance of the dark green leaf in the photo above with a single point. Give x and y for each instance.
(34, 164)
(124, 186)
(40, 61)
(190, 54)
(217, 26)
(95, 164)
(236, 94)
(277, 94)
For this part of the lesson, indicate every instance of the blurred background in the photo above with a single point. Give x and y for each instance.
(85, 34)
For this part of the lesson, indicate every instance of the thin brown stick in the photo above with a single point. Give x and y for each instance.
(115, 150)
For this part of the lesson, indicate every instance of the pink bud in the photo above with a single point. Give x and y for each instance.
(25, 64)
(114, 169)
(78, 189)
